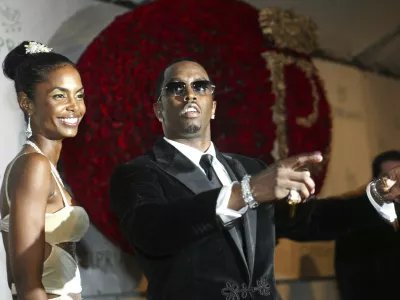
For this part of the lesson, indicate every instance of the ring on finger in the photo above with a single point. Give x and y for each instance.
(294, 196)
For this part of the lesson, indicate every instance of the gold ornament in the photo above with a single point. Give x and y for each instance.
(289, 30)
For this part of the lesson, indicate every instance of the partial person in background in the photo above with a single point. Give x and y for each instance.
(367, 262)
(40, 222)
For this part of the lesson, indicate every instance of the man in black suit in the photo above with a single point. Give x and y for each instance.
(191, 213)
(367, 262)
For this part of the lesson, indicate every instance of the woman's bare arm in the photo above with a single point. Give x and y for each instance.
(29, 188)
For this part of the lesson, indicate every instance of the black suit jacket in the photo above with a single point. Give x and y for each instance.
(166, 207)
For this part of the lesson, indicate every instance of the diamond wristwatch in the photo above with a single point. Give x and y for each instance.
(246, 192)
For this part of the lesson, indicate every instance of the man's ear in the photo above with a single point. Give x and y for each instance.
(214, 109)
(158, 109)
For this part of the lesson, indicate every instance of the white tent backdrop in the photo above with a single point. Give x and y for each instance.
(353, 95)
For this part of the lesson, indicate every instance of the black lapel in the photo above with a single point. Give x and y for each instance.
(250, 218)
(172, 161)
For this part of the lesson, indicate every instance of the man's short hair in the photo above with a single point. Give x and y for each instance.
(160, 79)
(392, 155)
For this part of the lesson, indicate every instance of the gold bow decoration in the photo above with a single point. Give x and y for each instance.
(289, 30)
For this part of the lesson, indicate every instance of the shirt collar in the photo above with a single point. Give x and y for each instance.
(192, 153)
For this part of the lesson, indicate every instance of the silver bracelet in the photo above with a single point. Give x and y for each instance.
(246, 193)
(372, 191)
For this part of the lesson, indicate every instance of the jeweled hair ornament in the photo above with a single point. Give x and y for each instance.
(35, 47)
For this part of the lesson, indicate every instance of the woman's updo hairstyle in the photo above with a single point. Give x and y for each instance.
(30, 63)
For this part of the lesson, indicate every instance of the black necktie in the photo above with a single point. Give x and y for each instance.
(206, 164)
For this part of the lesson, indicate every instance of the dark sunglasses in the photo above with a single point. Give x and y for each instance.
(179, 88)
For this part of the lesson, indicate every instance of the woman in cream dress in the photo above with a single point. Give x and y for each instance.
(40, 222)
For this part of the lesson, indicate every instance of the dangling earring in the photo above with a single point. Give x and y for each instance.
(28, 131)
(213, 117)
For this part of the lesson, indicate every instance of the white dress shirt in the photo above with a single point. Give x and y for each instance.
(227, 215)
